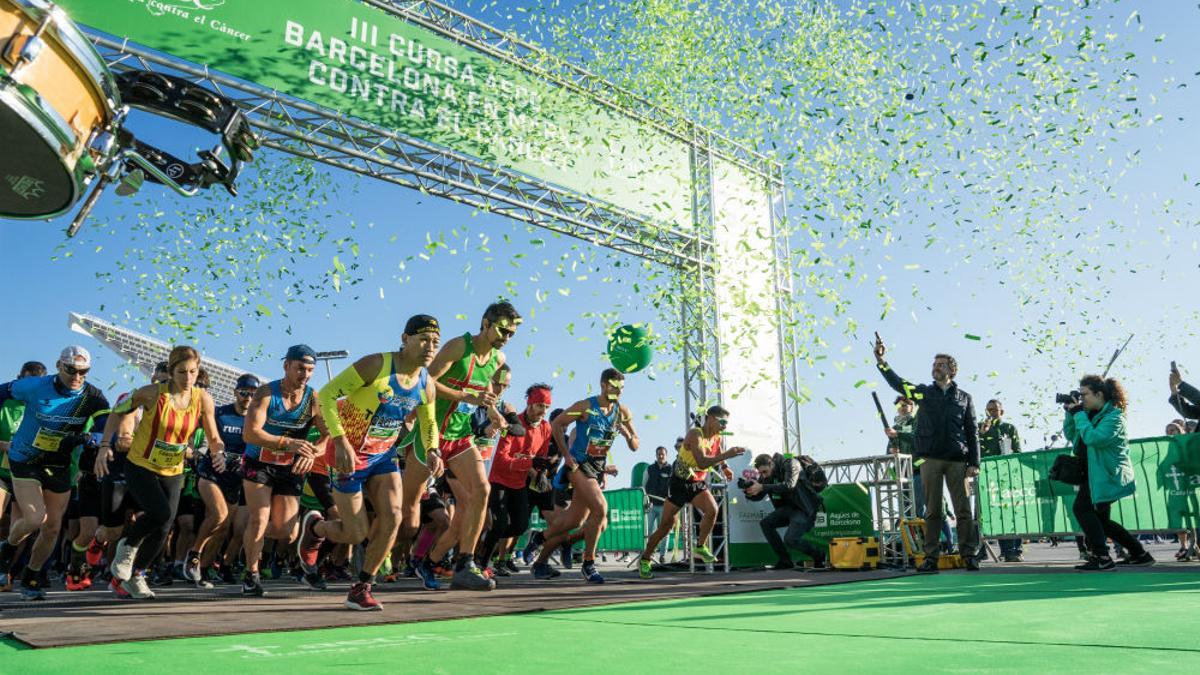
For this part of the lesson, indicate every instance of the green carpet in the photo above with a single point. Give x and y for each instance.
(1140, 622)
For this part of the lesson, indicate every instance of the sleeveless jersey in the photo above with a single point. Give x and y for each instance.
(454, 419)
(162, 437)
(373, 415)
(230, 424)
(595, 434)
(292, 423)
(686, 467)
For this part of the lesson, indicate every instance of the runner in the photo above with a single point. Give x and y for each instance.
(598, 421)
(86, 502)
(277, 457)
(59, 409)
(10, 418)
(221, 490)
(369, 403)
(463, 370)
(156, 447)
(512, 468)
(701, 451)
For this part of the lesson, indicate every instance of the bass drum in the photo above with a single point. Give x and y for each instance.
(58, 103)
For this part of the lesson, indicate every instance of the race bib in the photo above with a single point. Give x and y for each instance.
(486, 447)
(48, 440)
(166, 455)
(267, 456)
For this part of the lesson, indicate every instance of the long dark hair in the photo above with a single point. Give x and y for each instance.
(1112, 390)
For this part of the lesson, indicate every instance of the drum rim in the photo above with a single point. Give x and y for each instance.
(36, 119)
(71, 36)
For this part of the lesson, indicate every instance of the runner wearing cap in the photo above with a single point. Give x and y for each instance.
(156, 448)
(10, 418)
(221, 490)
(512, 468)
(59, 409)
(368, 405)
(277, 456)
(598, 421)
(463, 370)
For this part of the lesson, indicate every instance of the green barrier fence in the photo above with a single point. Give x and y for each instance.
(1017, 496)
(626, 522)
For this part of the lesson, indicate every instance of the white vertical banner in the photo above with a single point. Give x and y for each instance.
(748, 329)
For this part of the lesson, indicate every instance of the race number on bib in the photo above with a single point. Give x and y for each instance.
(48, 440)
(166, 455)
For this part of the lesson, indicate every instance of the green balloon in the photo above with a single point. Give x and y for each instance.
(629, 349)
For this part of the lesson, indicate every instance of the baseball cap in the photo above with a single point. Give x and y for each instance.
(301, 353)
(75, 356)
(248, 381)
(422, 323)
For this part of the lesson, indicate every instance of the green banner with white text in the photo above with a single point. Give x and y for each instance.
(372, 65)
(1017, 496)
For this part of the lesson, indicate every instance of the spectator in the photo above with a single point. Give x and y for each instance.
(796, 503)
(655, 482)
(1095, 423)
(946, 438)
(996, 438)
(1184, 397)
(902, 439)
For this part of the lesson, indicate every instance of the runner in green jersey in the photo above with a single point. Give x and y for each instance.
(463, 371)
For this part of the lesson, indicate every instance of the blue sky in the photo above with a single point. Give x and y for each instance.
(955, 295)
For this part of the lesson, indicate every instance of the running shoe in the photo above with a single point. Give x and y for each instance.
(161, 576)
(500, 570)
(1097, 564)
(252, 585)
(1143, 560)
(385, 568)
(308, 545)
(530, 550)
(511, 566)
(94, 553)
(706, 556)
(136, 586)
(178, 571)
(443, 570)
(204, 584)
(409, 570)
(114, 585)
(544, 571)
(471, 578)
(122, 564)
(314, 581)
(588, 569)
(77, 582)
(360, 598)
(32, 588)
(191, 567)
(488, 573)
(428, 577)
(645, 569)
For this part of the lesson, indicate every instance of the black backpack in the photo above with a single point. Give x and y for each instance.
(813, 473)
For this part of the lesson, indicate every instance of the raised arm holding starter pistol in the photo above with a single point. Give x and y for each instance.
(948, 443)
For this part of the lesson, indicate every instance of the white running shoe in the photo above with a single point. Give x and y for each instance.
(122, 564)
(137, 588)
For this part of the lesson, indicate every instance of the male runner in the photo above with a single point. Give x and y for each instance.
(463, 369)
(277, 457)
(221, 490)
(10, 418)
(701, 451)
(511, 470)
(59, 409)
(598, 421)
(369, 403)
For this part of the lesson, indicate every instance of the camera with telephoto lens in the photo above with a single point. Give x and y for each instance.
(748, 478)
(1063, 399)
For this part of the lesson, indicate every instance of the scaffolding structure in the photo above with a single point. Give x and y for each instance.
(720, 533)
(888, 479)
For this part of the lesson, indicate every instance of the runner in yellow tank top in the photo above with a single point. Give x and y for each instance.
(156, 450)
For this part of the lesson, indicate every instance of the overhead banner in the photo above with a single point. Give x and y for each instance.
(1018, 497)
(357, 59)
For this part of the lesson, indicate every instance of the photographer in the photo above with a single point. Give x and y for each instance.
(796, 505)
(1095, 423)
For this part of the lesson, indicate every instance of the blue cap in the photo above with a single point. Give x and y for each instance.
(248, 381)
(301, 353)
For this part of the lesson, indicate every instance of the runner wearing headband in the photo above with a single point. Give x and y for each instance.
(598, 421)
(369, 404)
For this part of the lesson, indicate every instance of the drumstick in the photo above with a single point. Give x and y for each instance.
(879, 407)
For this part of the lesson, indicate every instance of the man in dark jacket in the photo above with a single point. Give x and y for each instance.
(796, 505)
(948, 442)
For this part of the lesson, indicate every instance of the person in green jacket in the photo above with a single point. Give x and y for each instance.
(1095, 423)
